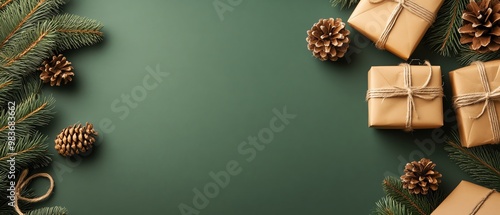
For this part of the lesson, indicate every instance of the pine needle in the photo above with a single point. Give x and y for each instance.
(467, 56)
(416, 204)
(49, 211)
(443, 36)
(30, 151)
(7, 86)
(76, 31)
(482, 163)
(32, 109)
(389, 206)
(4, 3)
(24, 54)
(30, 31)
(23, 14)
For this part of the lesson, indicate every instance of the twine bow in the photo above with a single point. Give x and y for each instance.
(488, 97)
(480, 203)
(402, 4)
(422, 92)
(23, 182)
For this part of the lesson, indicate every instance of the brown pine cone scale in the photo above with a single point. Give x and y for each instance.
(75, 139)
(420, 177)
(56, 70)
(481, 26)
(328, 39)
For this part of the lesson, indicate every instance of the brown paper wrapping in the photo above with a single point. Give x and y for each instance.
(474, 132)
(370, 20)
(390, 113)
(465, 197)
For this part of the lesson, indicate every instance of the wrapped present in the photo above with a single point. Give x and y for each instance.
(395, 25)
(405, 97)
(470, 199)
(476, 91)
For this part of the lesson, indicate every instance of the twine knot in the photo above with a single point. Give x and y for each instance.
(409, 91)
(423, 92)
(409, 5)
(488, 97)
(23, 183)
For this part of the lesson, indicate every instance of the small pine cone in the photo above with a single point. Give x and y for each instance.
(75, 139)
(328, 39)
(481, 26)
(56, 70)
(420, 176)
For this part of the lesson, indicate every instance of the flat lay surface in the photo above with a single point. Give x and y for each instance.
(227, 112)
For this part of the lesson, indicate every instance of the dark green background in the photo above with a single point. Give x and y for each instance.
(225, 79)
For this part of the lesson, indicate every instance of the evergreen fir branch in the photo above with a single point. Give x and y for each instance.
(344, 3)
(76, 31)
(482, 163)
(416, 204)
(30, 85)
(32, 109)
(30, 151)
(443, 36)
(23, 14)
(4, 3)
(7, 86)
(467, 56)
(34, 112)
(25, 54)
(389, 206)
(49, 211)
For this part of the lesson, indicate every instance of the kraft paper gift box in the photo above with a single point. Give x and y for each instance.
(410, 20)
(468, 198)
(477, 103)
(405, 97)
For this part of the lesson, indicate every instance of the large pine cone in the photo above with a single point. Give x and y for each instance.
(75, 139)
(420, 176)
(328, 39)
(481, 26)
(56, 70)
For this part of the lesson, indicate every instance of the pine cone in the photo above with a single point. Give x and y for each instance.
(420, 176)
(481, 26)
(56, 70)
(328, 39)
(75, 139)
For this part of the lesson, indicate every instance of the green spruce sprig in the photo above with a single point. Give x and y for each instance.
(467, 56)
(399, 199)
(76, 31)
(49, 211)
(31, 31)
(32, 110)
(443, 36)
(29, 152)
(388, 206)
(482, 163)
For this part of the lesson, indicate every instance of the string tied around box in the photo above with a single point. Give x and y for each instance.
(423, 92)
(480, 203)
(409, 5)
(488, 97)
(23, 183)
